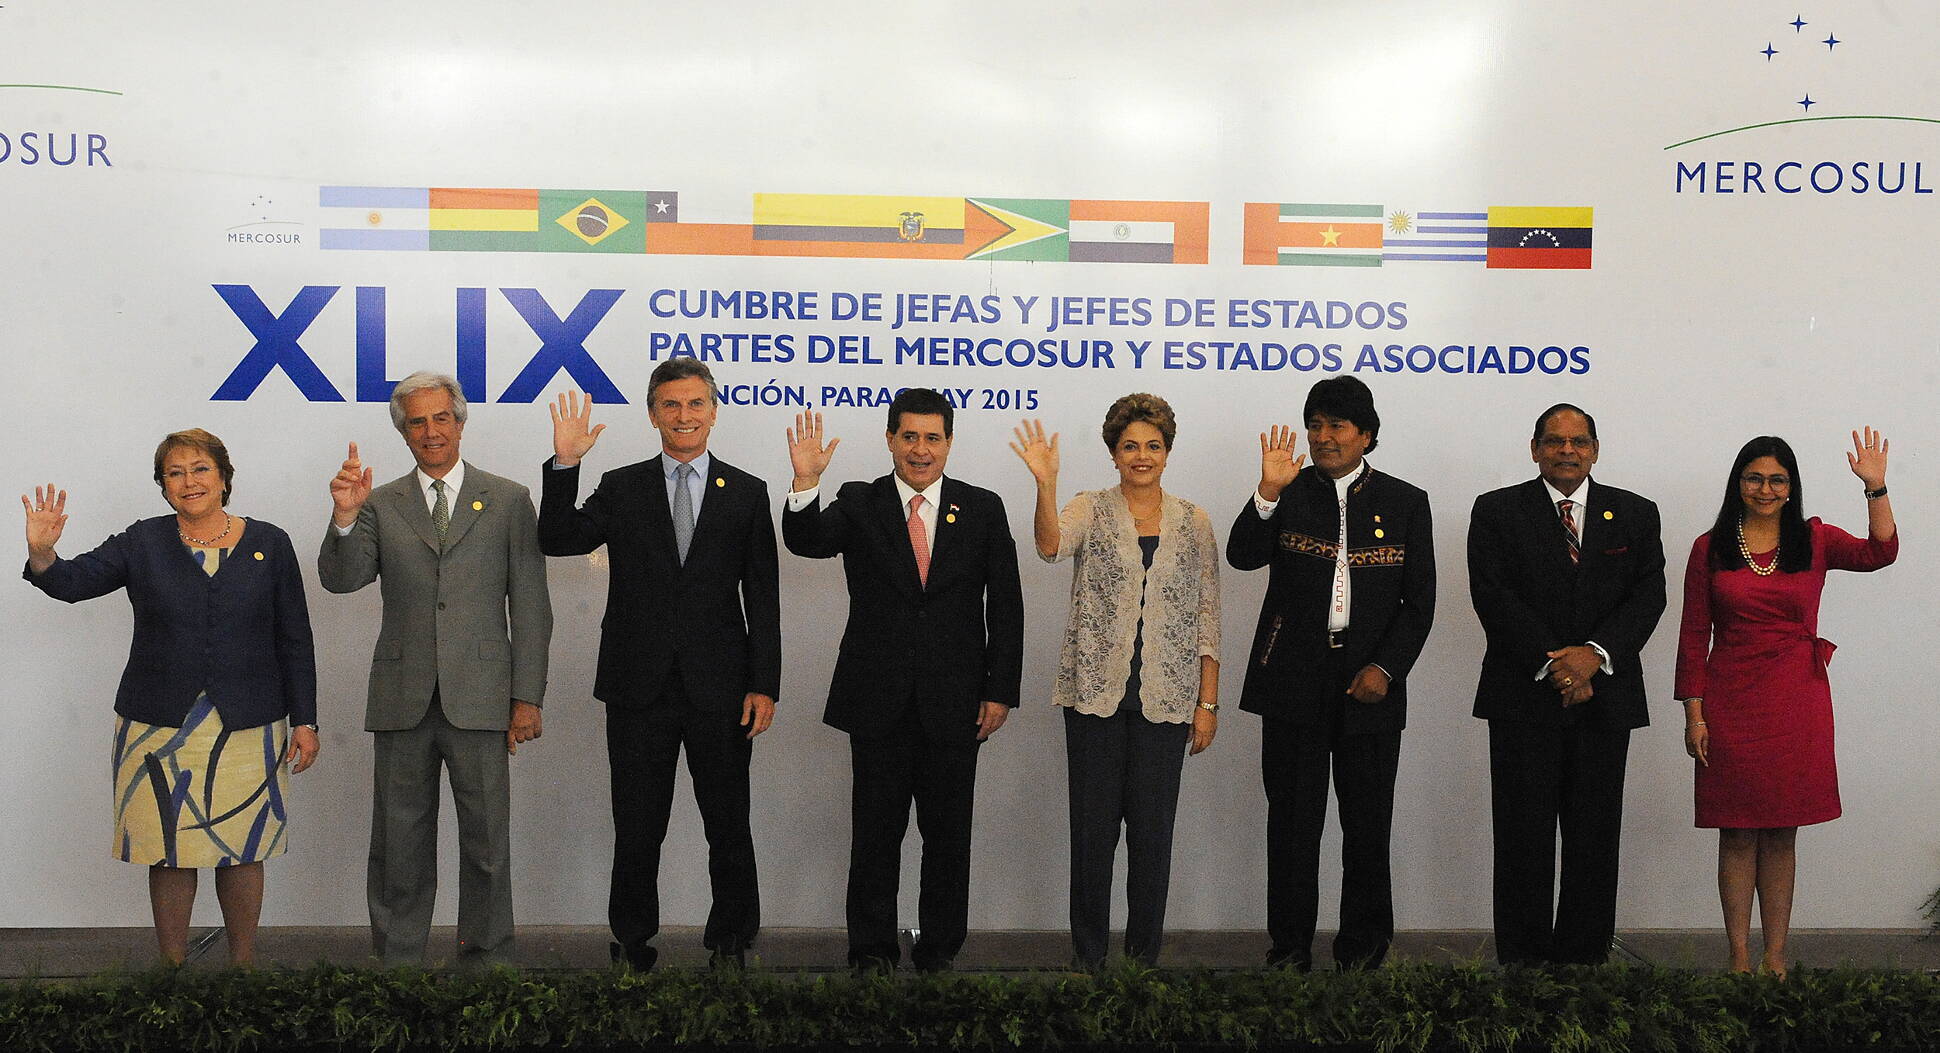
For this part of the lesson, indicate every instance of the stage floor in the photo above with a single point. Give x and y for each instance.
(80, 952)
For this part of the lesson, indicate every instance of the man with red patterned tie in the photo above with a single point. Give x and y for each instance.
(929, 666)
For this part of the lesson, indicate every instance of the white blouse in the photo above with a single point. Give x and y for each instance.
(1180, 605)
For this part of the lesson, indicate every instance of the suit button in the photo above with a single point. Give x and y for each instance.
(441, 605)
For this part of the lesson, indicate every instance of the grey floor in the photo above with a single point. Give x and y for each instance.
(57, 953)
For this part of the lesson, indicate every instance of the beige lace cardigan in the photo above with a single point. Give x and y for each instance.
(1181, 609)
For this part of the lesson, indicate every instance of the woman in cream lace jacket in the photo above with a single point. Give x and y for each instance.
(1139, 672)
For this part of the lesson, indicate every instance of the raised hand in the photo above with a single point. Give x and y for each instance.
(1039, 456)
(349, 489)
(806, 454)
(573, 431)
(1868, 458)
(46, 516)
(1278, 465)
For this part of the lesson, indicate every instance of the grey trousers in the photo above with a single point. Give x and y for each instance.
(404, 840)
(1124, 770)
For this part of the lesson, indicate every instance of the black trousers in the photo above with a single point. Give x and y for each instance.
(1542, 778)
(1123, 771)
(891, 772)
(643, 744)
(1295, 763)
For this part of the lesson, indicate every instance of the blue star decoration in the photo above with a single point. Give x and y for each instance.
(1799, 23)
(1769, 52)
(1807, 102)
(1829, 41)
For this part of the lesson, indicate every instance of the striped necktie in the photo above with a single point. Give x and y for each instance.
(1567, 508)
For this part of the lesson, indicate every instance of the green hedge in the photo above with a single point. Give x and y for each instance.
(1411, 1007)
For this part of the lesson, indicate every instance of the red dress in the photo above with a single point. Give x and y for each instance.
(1750, 647)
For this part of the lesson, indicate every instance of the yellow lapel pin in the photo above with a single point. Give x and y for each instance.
(1607, 514)
(259, 555)
(719, 481)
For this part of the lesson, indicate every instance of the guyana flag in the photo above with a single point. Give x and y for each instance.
(1542, 238)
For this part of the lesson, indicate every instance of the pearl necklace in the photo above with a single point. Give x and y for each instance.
(1745, 550)
(228, 521)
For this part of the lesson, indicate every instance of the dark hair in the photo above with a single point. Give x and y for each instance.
(681, 369)
(1135, 408)
(1562, 407)
(196, 439)
(1345, 398)
(1794, 536)
(922, 400)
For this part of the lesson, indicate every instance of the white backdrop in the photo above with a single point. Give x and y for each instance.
(1709, 315)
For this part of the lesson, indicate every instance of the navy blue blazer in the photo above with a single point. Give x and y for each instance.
(243, 635)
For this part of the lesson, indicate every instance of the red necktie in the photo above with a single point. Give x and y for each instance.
(919, 540)
(1569, 529)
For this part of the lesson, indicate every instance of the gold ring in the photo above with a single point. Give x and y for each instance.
(1569, 681)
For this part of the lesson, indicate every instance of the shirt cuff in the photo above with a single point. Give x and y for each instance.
(343, 531)
(1384, 671)
(799, 501)
(1263, 506)
(1543, 673)
(557, 467)
(1603, 654)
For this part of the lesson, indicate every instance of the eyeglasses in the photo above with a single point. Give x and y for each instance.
(1558, 442)
(199, 473)
(1753, 481)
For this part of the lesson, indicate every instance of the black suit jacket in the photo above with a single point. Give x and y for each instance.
(1391, 575)
(945, 648)
(243, 635)
(1533, 600)
(718, 616)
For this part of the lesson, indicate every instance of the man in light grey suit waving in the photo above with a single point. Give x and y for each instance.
(457, 552)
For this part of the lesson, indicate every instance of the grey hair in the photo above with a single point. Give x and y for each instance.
(425, 380)
(681, 369)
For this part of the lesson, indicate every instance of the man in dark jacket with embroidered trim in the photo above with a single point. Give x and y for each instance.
(1348, 607)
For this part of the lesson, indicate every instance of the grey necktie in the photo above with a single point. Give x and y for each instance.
(683, 511)
(440, 511)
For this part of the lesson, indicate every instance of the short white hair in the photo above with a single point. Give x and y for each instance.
(425, 380)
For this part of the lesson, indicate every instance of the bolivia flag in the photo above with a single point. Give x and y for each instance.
(1556, 238)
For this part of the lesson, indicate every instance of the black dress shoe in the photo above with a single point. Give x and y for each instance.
(639, 957)
(1299, 963)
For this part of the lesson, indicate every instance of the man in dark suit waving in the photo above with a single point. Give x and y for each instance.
(1347, 610)
(1568, 579)
(690, 648)
(929, 664)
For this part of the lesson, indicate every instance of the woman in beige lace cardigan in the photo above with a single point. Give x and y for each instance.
(1139, 672)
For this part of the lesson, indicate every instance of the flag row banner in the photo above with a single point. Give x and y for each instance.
(887, 226)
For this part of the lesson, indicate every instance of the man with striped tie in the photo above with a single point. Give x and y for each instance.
(1568, 579)
(690, 646)
(929, 666)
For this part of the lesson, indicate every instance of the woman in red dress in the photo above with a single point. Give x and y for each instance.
(1751, 670)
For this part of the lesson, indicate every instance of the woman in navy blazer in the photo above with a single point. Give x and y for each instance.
(221, 666)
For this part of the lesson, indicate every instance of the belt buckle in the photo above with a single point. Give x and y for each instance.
(1334, 639)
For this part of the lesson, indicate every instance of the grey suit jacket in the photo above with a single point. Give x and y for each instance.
(446, 615)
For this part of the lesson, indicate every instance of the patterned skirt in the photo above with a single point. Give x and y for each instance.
(199, 795)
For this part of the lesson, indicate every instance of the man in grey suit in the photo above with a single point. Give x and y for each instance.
(458, 553)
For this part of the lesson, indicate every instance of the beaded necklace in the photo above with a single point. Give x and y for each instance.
(1744, 550)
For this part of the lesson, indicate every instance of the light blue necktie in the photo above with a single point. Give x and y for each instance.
(683, 511)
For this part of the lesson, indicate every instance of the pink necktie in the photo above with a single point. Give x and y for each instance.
(919, 540)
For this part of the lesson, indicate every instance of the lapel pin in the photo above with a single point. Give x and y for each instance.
(951, 518)
(1607, 514)
(259, 555)
(1378, 532)
(719, 481)
(478, 506)
(1377, 519)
